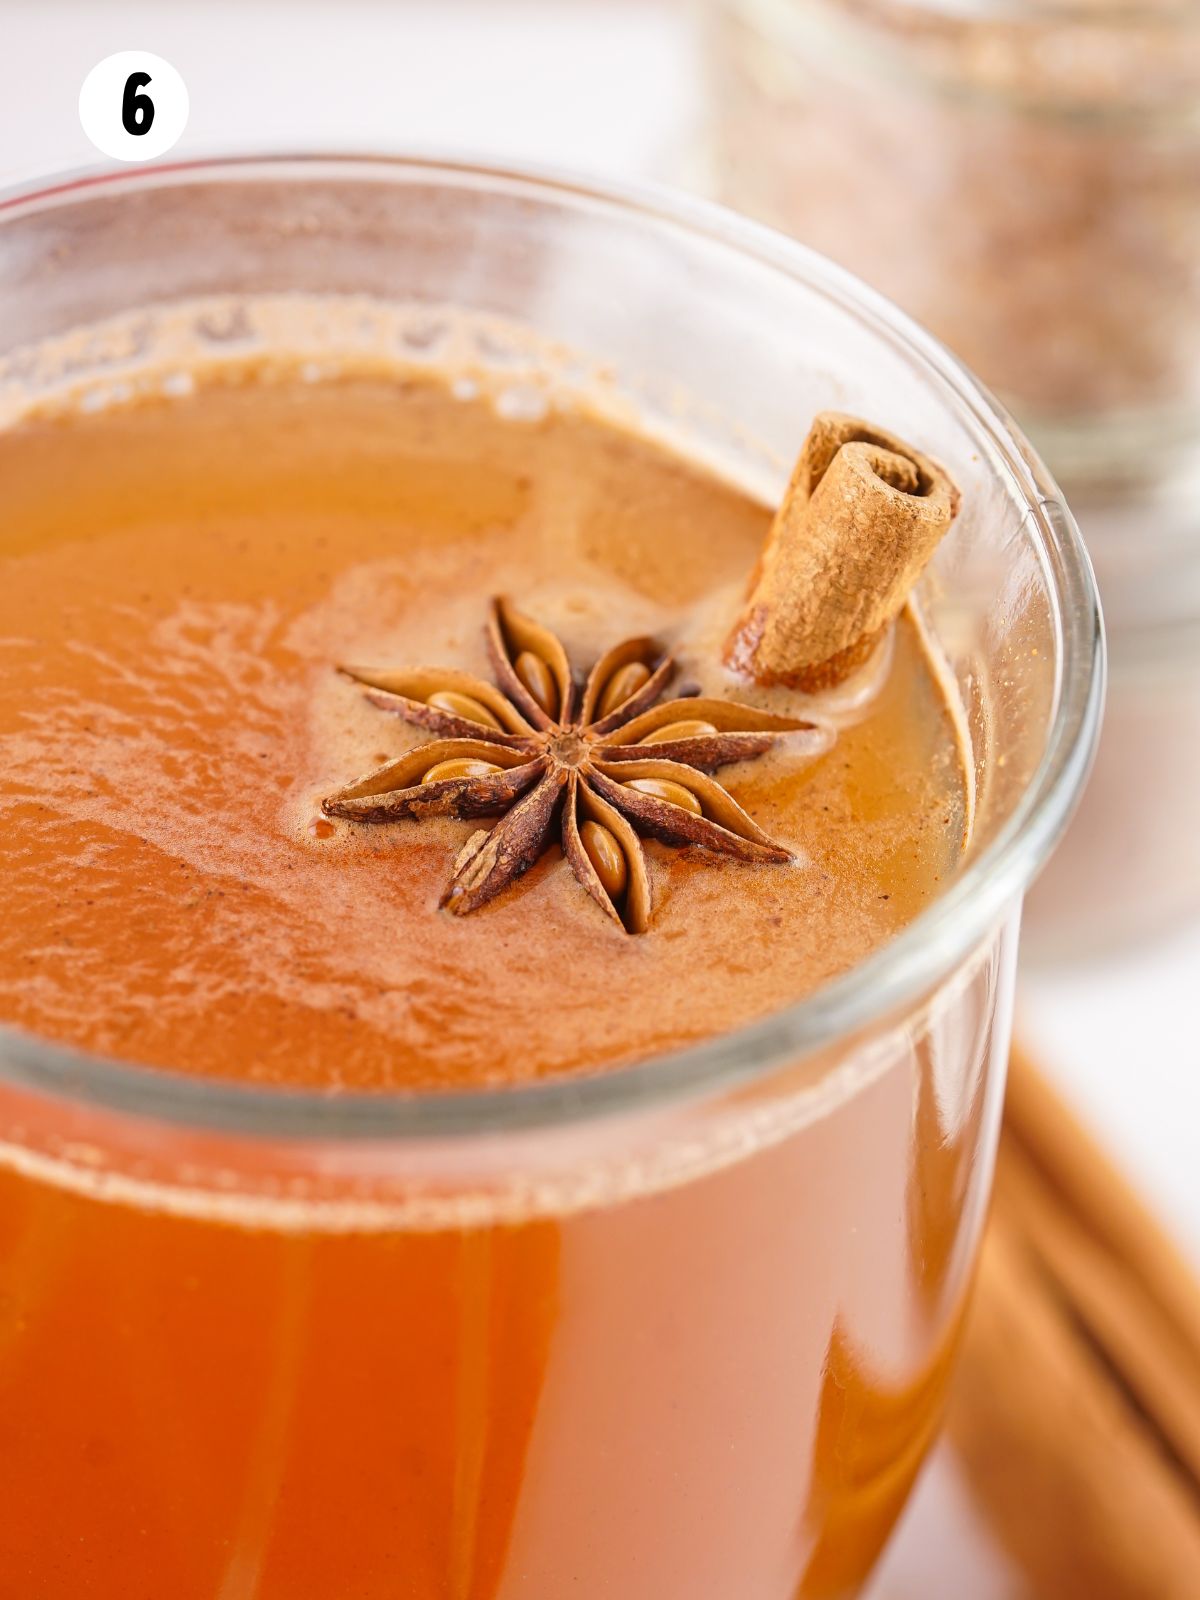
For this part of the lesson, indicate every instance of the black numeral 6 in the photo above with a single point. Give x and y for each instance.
(137, 110)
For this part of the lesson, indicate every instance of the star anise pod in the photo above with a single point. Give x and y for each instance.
(604, 756)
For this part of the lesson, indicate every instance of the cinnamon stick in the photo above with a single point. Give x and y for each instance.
(861, 517)
(1076, 1409)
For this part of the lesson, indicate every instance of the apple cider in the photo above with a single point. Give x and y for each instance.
(318, 772)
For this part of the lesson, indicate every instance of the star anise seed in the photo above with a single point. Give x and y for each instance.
(540, 749)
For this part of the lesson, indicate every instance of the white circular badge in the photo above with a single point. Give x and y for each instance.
(133, 106)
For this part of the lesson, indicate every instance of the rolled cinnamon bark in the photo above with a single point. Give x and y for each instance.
(862, 515)
(1076, 1407)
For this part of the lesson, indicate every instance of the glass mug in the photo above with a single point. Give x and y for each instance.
(680, 1329)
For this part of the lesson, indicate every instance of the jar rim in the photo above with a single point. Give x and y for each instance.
(899, 972)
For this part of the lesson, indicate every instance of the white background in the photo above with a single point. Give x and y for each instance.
(610, 87)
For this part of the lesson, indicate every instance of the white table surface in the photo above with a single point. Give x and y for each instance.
(609, 86)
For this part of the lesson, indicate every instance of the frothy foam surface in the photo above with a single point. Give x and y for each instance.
(186, 564)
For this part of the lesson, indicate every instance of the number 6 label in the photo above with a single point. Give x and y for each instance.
(133, 106)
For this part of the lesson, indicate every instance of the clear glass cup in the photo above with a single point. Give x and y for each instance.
(676, 1330)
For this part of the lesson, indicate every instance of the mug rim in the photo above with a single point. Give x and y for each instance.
(924, 952)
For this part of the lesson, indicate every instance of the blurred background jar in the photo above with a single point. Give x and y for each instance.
(1024, 178)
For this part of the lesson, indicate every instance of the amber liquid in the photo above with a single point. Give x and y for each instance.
(705, 1388)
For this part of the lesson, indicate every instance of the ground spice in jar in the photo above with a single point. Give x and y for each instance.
(1025, 181)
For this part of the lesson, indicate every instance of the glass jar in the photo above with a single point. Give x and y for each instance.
(676, 1330)
(1024, 177)
(1129, 869)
